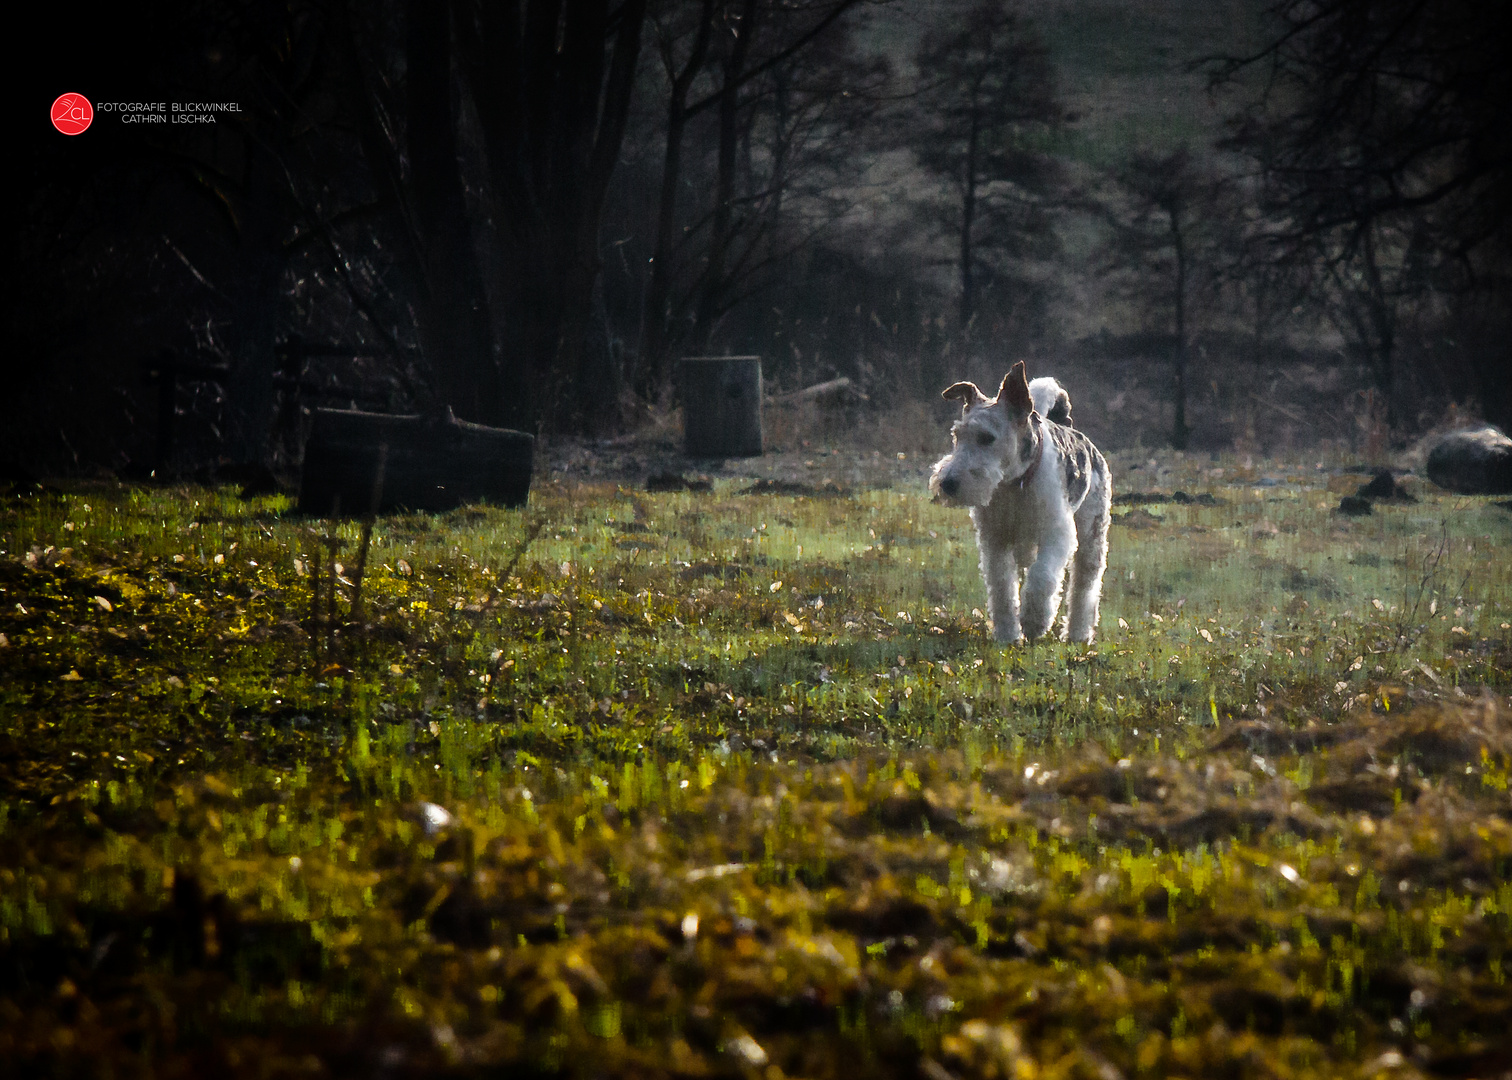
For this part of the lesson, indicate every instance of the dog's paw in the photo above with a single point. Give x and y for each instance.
(1035, 629)
(1079, 632)
(1007, 635)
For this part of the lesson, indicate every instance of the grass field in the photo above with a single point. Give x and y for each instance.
(736, 783)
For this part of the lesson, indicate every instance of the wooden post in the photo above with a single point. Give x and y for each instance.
(721, 406)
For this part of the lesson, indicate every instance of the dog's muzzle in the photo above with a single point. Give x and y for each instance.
(949, 486)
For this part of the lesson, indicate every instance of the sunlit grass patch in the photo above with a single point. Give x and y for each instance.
(677, 783)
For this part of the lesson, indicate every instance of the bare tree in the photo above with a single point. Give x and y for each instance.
(1162, 220)
(549, 84)
(987, 104)
(681, 76)
(552, 83)
(1386, 158)
(456, 333)
(783, 90)
(797, 143)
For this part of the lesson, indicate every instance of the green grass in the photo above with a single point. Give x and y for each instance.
(738, 783)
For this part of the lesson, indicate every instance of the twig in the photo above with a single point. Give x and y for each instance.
(531, 532)
(359, 570)
(367, 534)
(315, 562)
(1426, 584)
(333, 545)
(1291, 414)
(1430, 572)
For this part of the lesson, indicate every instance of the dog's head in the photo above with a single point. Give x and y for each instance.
(994, 441)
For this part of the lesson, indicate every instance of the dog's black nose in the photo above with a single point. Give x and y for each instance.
(950, 485)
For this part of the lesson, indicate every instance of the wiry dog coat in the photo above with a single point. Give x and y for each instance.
(1039, 493)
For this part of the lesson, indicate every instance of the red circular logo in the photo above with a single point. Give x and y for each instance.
(72, 114)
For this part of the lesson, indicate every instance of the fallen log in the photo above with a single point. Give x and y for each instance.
(358, 463)
(831, 394)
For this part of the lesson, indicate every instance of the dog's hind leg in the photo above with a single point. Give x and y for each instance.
(1042, 585)
(1088, 565)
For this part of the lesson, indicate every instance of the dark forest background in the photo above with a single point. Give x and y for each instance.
(528, 210)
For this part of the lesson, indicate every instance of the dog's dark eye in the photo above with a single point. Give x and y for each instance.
(985, 438)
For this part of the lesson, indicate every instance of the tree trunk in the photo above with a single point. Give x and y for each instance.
(492, 48)
(553, 117)
(653, 348)
(361, 89)
(724, 184)
(968, 221)
(1179, 430)
(261, 264)
(455, 331)
(604, 122)
(652, 372)
(1383, 327)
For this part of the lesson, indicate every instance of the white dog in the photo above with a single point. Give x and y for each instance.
(1039, 493)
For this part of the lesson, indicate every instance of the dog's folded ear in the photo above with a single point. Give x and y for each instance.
(964, 392)
(1015, 390)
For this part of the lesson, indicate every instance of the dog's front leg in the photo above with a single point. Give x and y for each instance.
(1042, 585)
(1000, 575)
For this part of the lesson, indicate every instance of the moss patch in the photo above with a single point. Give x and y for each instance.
(703, 783)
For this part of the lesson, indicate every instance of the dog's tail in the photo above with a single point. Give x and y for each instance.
(1051, 400)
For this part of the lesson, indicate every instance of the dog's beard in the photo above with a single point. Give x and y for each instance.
(976, 482)
(937, 474)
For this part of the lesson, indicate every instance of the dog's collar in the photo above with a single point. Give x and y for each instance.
(1039, 453)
